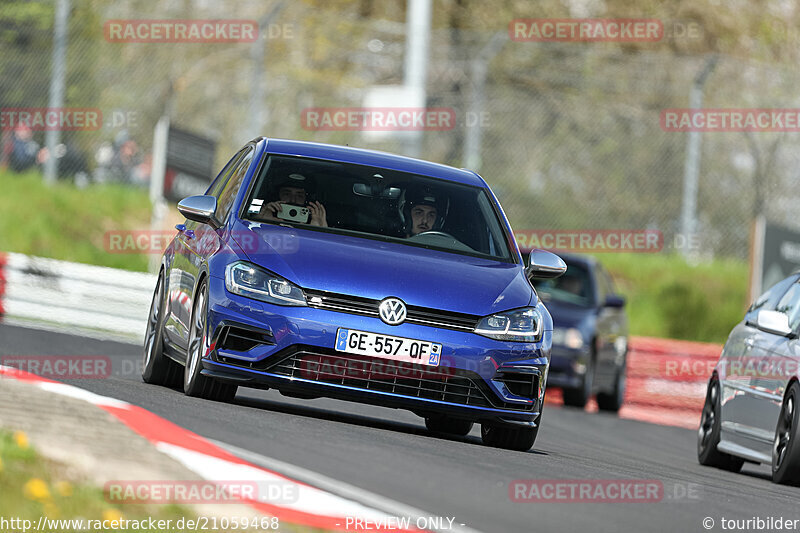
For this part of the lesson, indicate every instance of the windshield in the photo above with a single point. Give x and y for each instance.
(574, 286)
(377, 203)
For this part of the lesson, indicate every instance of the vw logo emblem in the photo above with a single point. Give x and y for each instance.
(392, 311)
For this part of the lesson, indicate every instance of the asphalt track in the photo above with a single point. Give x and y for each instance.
(390, 453)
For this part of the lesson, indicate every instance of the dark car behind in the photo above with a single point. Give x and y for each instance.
(590, 333)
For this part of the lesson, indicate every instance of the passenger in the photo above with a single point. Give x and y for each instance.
(296, 190)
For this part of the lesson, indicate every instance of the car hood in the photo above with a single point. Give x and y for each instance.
(377, 269)
(567, 315)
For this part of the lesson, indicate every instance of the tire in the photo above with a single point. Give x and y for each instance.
(509, 438)
(708, 434)
(785, 449)
(612, 401)
(579, 397)
(520, 439)
(157, 368)
(450, 426)
(194, 383)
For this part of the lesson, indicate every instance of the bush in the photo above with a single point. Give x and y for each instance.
(685, 310)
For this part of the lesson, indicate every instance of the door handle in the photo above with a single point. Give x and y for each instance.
(749, 343)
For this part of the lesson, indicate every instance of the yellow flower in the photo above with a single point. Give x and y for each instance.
(112, 514)
(36, 489)
(21, 439)
(64, 488)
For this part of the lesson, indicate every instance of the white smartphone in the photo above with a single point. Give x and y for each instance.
(292, 213)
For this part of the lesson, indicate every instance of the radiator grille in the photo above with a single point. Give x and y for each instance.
(368, 307)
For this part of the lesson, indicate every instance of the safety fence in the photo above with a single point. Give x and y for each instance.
(74, 295)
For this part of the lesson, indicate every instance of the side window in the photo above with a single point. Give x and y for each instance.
(768, 299)
(761, 301)
(790, 305)
(221, 179)
(229, 192)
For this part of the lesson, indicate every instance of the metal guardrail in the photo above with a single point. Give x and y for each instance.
(74, 294)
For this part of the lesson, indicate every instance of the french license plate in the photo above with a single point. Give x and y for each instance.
(388, 347)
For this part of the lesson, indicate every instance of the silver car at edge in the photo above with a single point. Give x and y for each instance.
(751, 408)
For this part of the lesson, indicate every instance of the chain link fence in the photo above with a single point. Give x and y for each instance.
(567, 134)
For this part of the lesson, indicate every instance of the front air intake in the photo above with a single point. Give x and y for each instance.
(520, 384)
(238, 339)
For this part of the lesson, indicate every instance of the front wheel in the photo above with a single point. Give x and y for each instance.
(509, 438)
(194, 383)
(708, 434)
(612, 402)
(785, 449)
(512, 438)
(579, 396)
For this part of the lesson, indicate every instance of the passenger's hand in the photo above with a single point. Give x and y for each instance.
(318, 215)
(270, 210)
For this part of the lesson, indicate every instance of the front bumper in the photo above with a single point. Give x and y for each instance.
(478, 378)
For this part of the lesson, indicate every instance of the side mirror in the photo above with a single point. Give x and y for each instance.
(544, 265)
(774, 322)
(201, 209)
(614, 300)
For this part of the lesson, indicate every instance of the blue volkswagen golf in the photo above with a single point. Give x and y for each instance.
(328, 271)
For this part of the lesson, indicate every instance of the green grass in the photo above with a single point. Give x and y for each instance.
(32, 486)
(669, 298)
(63, 222)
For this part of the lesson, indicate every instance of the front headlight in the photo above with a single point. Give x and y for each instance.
(569, 337)
(246, 279)
(521, 325)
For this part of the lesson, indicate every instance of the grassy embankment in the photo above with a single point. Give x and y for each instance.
(669, 298)
(34, 488)
(64, 222)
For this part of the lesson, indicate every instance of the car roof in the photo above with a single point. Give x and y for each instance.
(360, 156)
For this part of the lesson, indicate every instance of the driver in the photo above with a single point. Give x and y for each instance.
(423, 217)
(295, 190)
(423, 211)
